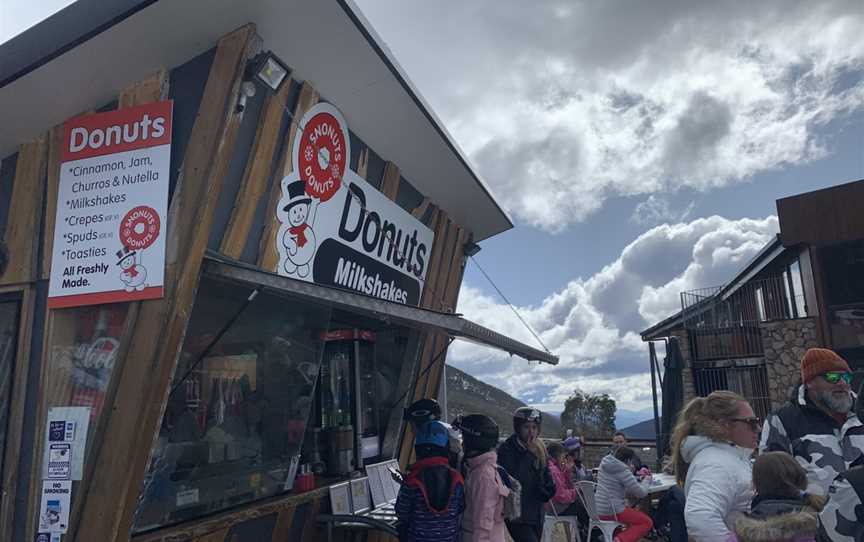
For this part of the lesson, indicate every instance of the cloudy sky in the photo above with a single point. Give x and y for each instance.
(639, 147)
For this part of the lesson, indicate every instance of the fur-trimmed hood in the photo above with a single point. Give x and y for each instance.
(796, 525)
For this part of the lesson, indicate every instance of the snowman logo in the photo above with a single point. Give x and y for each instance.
(299, 239)
(133, 275)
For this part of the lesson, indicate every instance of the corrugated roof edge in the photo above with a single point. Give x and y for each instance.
(61, 32)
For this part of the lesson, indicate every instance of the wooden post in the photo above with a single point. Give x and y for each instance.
(390, 181)
(9, 482)
(25, 210)
(143, 385)
(256, 179)
(268, 255)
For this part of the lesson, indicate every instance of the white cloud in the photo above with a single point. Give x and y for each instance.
(658, 209)
(574, 102)
(593, 323)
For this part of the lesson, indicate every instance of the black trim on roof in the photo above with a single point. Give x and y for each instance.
(62, 32)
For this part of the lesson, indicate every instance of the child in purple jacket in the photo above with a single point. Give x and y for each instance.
(432, 497)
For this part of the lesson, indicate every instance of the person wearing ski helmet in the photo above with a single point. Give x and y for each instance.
(484, 489)
(432, 497)
(422, 411)
(425, 410)
(523, 456)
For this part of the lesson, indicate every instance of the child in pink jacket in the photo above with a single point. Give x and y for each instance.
(561, 468)
(483, 520)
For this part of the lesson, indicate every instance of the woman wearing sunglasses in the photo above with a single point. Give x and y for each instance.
(819, 426)
(711, 448)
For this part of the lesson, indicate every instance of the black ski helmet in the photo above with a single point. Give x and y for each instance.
(422, 410)
(479, 432)
(526, 414)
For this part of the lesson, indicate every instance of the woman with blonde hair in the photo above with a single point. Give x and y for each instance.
(711, 448)
(782, 510)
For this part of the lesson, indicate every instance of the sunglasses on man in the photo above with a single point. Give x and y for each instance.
(754, 422)
(833, 377)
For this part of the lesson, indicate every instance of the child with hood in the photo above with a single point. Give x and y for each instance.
(432, 497)
(615, 482)
(781, 510)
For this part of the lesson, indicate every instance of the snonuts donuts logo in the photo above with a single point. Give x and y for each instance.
(323, 151)
(140, 227)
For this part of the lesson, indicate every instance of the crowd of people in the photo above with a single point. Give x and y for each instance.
(799, 478)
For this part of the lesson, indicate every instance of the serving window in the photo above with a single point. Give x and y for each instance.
(270, 389)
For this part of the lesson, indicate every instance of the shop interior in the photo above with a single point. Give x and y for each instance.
(272, 394)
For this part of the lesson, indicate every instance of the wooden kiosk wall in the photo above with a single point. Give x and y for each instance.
(153, 333)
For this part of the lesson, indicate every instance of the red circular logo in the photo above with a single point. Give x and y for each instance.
(322, 156)
(140, 227)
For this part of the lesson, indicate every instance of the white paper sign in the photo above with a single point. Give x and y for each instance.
(54, 510)
(66, 426)
(59, 461)
(337, 229)
(112, 203)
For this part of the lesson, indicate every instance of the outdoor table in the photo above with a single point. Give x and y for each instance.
(659, 484)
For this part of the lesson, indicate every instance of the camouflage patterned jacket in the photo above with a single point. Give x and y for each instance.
(842, 519)
(815, 439)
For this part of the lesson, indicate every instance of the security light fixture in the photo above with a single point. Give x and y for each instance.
(270, 70)
(471, 249)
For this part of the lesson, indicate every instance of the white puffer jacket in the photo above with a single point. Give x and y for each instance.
(718, 487)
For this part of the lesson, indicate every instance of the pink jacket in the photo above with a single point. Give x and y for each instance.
(565, 493)
(484, 500)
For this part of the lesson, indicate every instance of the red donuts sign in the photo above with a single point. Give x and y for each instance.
(322, 153)
(140, 227)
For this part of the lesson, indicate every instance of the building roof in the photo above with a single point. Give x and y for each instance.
(82, 56)
(829, 215)
(757, 263)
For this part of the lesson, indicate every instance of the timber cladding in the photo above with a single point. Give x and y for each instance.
(153, 331)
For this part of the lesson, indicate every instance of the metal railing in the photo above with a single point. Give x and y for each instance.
(749, 381)
(726, 323)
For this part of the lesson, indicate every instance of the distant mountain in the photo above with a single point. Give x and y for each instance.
(467, 395)
(626, 418)
(642, 430)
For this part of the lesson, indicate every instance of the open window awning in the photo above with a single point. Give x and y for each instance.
(414, 317)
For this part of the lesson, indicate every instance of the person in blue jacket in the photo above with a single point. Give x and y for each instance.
(432, 497)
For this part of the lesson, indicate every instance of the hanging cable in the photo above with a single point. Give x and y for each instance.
(504, 297)
(413, 387)
(215, 340)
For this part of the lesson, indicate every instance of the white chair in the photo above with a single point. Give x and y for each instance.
(572, 527)
(607, 527)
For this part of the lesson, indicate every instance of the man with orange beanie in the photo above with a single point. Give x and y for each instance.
(819, 426)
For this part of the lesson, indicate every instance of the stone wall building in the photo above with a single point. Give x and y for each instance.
(802, 290)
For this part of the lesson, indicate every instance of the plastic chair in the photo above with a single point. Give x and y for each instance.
(586, 491)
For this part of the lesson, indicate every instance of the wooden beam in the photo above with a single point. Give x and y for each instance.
(256, 178)
(363, 163)
(143, 385)
(390, 181)
(25, 212)
(268, 254)
(14, 428)
(150, 89)
(55, 151)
